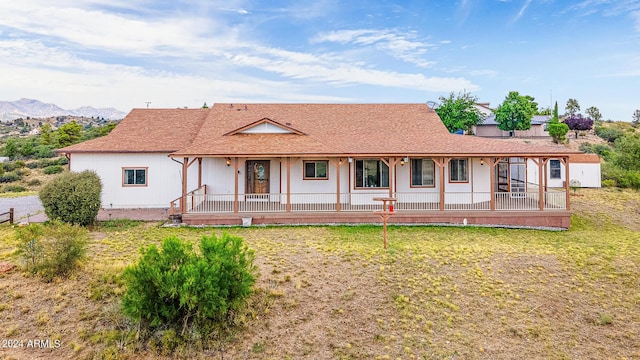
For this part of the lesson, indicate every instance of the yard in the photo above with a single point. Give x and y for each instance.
(335, 293)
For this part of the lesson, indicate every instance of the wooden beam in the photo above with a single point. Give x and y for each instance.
(183, 202)
(441, 162)
(199, 172)
(565, 161)
(236, 166)
(288, 184)
(338, 165)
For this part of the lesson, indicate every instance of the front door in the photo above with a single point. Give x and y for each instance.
(257, 177)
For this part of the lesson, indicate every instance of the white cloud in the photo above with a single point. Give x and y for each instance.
(401, 46)
(636, 17)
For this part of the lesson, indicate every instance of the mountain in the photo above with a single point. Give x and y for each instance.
(11, 110)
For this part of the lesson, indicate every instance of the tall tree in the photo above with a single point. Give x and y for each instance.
(458, 111)
(544, 111)
(594, 113)
(572, 107)
(515, 112)
(555, 119)
(578, 123)
(636, 117)
(45, 134)
(69, 133)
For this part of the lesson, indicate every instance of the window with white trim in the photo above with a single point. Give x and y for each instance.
(554, 169)
(422, 172)
(458, 170)
(316, 170)
(134, 176)
(371, 174)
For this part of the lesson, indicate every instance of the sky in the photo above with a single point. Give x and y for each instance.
(173, 53)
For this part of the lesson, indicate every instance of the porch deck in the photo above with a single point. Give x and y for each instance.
(516, 209)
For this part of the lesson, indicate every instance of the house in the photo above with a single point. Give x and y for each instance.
(489, 128)
(321, 163)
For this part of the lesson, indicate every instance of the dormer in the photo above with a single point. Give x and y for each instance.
(266, 126)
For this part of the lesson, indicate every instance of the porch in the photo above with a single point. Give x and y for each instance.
(534, 208)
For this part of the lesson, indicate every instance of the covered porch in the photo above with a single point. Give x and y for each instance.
(496, 190)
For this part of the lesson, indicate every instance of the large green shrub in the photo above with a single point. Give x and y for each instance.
(72, 197)
(53, 250)
(178, 287)
(53, 169)
(558, 132)
(608, 133)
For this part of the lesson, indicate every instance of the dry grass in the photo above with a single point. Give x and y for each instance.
(335, 293)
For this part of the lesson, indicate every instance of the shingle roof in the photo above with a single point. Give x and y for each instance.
(323, 129)
(148, 130)
(584, 158)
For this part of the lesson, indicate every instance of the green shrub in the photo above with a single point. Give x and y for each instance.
(72, 197)
(53, 169)
(32, 164)
(558, 132)
(608, 183)
(43, 152)
(630, 179)
(34, 182)
(178, 287)
(54, 250)
(9, 177)
(62, 161)
(608, 133)
(14, 188)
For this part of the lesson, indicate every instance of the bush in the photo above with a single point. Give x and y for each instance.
(604, 151)
(53, 169)
(14, 188)
(178, 287)
(9, 177)
(32, 164)
(72, 197)
(54, 250)
(608, 133)
(558, 132)
(608, 183)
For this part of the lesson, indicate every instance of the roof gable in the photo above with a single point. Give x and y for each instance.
(265, 126)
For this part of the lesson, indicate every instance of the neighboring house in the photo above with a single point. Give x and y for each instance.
(320, 163)
(489, 128)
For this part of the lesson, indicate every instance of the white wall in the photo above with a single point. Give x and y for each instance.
(164, 178)
(587, 173)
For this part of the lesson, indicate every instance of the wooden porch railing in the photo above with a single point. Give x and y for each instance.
(199, 202)
(192, 200)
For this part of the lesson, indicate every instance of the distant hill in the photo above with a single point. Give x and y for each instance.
(23, 108)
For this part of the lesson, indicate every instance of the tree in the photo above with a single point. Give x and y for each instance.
(458, 112)
(45, 134)
(555, 118)
(628, 152)
(594, 113)
(205, 105)
(72, 197)
(69, 133)
(11, 148)
(636, 117)
(558, 131)
(545, 111)
(578, 123)
(572, 107)
(515, 112)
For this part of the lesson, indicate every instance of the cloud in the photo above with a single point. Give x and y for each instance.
(636, 17)
(521, 12)
(402, 46)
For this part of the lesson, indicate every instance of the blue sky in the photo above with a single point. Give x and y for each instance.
(173, 53)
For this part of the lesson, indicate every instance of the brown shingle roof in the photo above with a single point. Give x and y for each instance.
(584, 158)
(148, 130)
(322, 129)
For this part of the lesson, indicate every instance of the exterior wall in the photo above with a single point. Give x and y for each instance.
(164, 178)
(493, 131)
(587, 173)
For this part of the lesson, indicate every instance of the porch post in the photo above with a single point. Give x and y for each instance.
(288, 184)
(199, 172)
(565, 161)
(392, 173)
(338, 168)
(443, 163)
(541, 163)
(236, 166)
(183, 202)
(492, 182)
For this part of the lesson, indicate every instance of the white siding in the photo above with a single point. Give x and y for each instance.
(164, 178)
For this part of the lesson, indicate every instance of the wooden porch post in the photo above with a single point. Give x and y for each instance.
(199, 172)
(338, 168)
(288, 184)
(391, 163)
(441, 162)
(183, 202)
(492, 162)
(236, 166)
(565, 161)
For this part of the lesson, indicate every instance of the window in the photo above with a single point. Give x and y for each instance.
(372, 174)
(554, 166)
(134, 177)
(315, 170)
(422, 172)
(458, 170)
